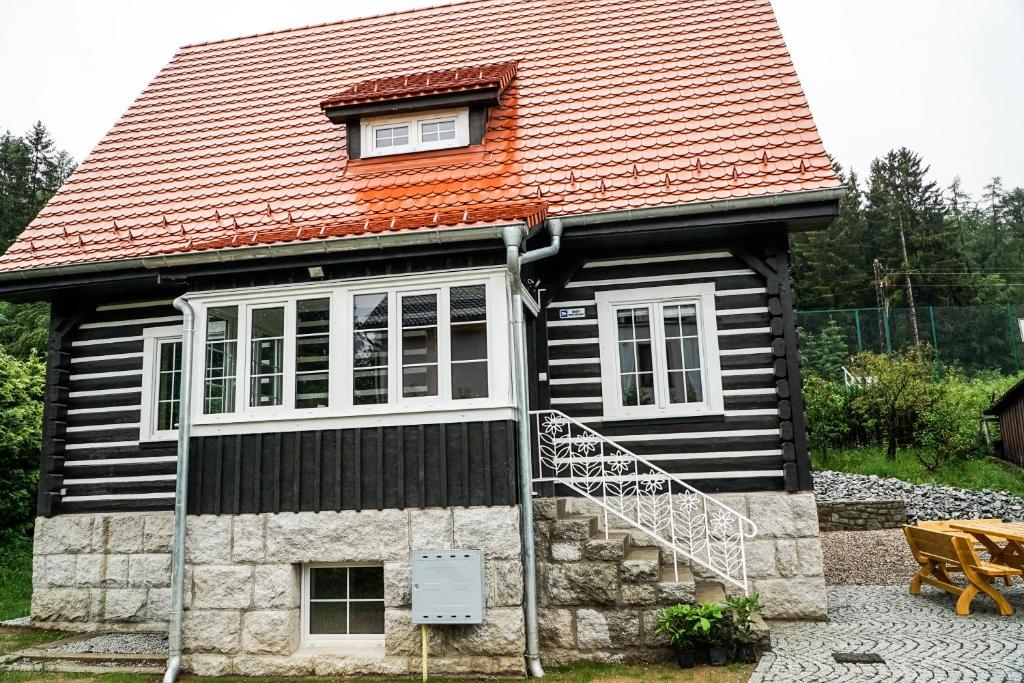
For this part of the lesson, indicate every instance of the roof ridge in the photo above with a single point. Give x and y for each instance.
(352, 20)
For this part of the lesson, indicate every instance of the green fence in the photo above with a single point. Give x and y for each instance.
(975, 338)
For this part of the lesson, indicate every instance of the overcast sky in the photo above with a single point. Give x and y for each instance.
(943, 77)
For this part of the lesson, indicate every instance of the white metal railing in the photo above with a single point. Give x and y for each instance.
(686, 521)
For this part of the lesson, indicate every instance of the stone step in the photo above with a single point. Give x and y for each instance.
(641, 565)
(671, 590)
(573, 528)
(709, 591)
(611, 549)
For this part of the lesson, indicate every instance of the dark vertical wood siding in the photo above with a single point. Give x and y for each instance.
(1011, 431)
(370, 468)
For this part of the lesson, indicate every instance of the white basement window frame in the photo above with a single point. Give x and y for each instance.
(483, 373)
(161, 383)
(418, 132)
(357, 594)
(681, 395)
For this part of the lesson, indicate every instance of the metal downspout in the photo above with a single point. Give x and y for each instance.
(180, 492)
(513, 237)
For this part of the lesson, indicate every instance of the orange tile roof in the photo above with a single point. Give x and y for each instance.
(425, 83)
(624, 105)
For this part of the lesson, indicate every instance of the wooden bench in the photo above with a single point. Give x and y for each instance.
(938, 552)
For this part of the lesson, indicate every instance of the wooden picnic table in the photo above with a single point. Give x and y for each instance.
(990, 532)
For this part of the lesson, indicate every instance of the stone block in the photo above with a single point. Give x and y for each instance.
(273, 632)
(573, 529)
(761, 559)
(61, 604)
(397, 584)
(582, 583)
(648, 626)
(216, 631)
(802, 598)
(640, 569)
(275, 586)
(495, 530)
(545, 509)
(676, 592)
(247, 539)
(612, 629)
(736, 501)
(811, 561)
(431, 529)
(149, 571)
(208, 539)
(124, 533)
(784, 515)
(222, 587)
(501, 634)
(366, 536)
(158, 604)
(556, 628)
(567, 551)
(64, 534)
(90, 570)
(604, 550)
(504, 583)
(274, 666)
(639, 594)
(351, 666)
(209, 665)
(786, 561)
(60, 570)
(402, 638)
(125, 604)
(158, 533)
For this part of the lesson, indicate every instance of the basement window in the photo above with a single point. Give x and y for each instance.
(342, 603)
(414, 132)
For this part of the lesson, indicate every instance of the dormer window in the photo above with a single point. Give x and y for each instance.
(414, 132)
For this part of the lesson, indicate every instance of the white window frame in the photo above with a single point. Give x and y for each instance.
(341, 411)
(152, 339)
(369, 126)
(326, 639)
(701, 295)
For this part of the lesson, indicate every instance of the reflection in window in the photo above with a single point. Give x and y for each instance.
(370, 349)
(168, 399)
(419, 345)
(266, 367)
(636, 364)
(469, 341)
(312, 352)
(221, 360)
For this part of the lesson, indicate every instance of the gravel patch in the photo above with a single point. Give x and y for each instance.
(20, 621)
(867, 558)
(924, 501)
(118, 644)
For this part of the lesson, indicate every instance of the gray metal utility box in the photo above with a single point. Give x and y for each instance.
(448, 587)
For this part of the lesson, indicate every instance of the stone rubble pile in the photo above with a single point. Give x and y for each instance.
(924, 501)
(118, 643)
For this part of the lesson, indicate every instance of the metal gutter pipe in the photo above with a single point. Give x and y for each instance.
(513, 238)
(180, 492)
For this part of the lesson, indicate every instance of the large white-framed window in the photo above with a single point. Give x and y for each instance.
(338, 351)
(414, 132)
(659, 352)
(342, 603)
(161, 383)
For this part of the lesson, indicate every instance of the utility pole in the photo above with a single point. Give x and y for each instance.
(882, 300)
(910, 288)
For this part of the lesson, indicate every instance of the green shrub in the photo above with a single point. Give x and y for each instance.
(824, 353)
(21, 416)
(828, 413)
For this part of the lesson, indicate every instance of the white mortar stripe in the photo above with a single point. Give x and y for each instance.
(748, 392)
(744, 330)
(583, 341)
(706, 275)
(742, 311)
(112, 356)
(741, 292)
(693, 435)
(695, 256)
(577, 380)
(747, 372)
(103, 409)
(104, 392)
(745, 352)
(573, 361)
(713, 454)
(569, 304)
(97, 428)
(108, 340)
(107, 444)
(137, 304)
(145, 460)
(576, 400)
(102, 375)
(119, 480)
(749, 412)
(571, 323)
(120, 496)
(128, 323)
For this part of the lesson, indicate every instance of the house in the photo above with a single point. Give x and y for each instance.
(1008, 411)
(502, 275)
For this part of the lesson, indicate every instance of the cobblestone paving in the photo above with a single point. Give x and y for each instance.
(919, 637)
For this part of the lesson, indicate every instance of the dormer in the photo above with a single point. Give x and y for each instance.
(419, 112)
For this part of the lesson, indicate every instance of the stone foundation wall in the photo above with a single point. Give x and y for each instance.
(242, 586)
(861, 515)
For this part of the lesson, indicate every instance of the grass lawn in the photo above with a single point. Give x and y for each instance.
(15, 579)
(981, 473)
(589, 673)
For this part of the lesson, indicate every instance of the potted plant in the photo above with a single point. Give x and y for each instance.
(715, 631)
(744, 607)
(679, 624)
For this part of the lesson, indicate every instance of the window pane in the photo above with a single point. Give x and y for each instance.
(366, 617)
(312, 353)
(366, 583)
(691, 353)
(392, 136)
(419, 310)
(266, 367)
(311, 391)
(221, 360)
(677, 387)
(328, 583)
(312, 316)
(266, 391)
(168, 385)
(674, 354)
(644, 356)
(641, 323)
(370, 311)
(694, 386)
(267, 322)
(222, 323)
(419, 345)
(645, 382)
(469, 380)
(469, 341)
(629, 394)
(627, 357)
(469, 304)
(419, 380)
(437, 130)
(370, 386)
(625, 324)
(688, 320)
(167, 415)
(371, 349)
(328, 618)
(671, 321)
